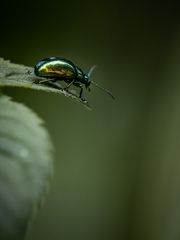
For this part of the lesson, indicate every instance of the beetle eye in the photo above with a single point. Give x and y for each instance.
(86, 77)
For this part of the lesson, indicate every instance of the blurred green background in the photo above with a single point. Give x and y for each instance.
(117, 168)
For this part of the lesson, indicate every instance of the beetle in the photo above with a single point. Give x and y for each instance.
(58, 68)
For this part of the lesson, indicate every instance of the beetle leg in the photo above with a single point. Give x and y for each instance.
(45, 80)
(69, 84)
(77, 84)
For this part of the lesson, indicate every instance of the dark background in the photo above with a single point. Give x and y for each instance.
(117, 168)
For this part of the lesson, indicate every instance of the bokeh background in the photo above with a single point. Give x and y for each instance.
(117, 168)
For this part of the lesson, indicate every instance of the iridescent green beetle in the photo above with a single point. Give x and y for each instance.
(58, 68)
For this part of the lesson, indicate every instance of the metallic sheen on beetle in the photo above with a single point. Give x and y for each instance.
(61, 69)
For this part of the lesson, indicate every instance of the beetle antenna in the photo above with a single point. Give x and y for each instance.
(97, 85)
(104, 89)
(91, 70)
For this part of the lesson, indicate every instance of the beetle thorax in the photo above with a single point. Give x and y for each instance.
(81, 76)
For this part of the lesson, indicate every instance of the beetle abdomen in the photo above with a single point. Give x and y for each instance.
(55, 67)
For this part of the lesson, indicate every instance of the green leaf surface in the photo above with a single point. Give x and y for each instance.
(16, 75)
(25, 167)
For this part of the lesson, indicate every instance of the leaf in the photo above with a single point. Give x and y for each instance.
(25, 167)
(16, 75)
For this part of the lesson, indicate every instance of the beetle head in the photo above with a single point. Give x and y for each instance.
(88, 82)
(86, 77)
